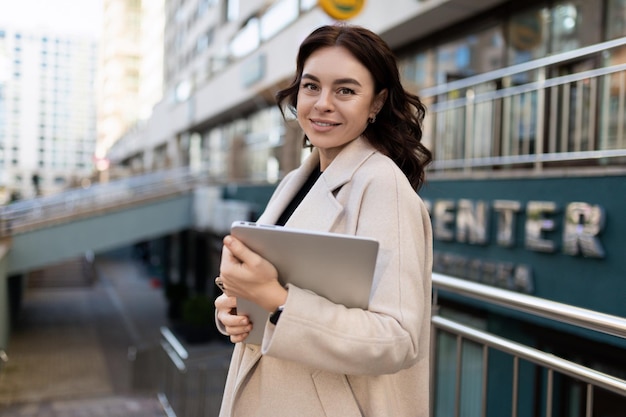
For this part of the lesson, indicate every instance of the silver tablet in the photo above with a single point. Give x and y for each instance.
(335, 266)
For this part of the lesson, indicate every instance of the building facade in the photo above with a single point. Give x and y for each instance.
(118, 71)
(130, 71)
(47, 111)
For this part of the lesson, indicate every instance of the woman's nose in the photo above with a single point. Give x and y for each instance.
(324, 102)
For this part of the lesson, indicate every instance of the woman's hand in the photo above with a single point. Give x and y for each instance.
(237, 327)
(247, 275)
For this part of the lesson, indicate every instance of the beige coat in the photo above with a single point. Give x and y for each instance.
(323, 359)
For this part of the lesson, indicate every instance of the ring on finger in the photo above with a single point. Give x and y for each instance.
(220, 283)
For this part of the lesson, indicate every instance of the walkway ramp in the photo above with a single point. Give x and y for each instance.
(46, 230)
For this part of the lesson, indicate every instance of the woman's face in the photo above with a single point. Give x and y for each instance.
(335, 99)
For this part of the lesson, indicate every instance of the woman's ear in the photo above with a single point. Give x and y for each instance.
(379, 101)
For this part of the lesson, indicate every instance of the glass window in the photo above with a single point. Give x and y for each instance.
(246, 40)
(474, 54)
(417, 71)
(306, 5)
(566, 27)
(263, 134)
(214, 153)
(232, 10)
(616, 19)
(277, 17)
(203, 7)
(613, 102)
(202, 43)
(528, 34)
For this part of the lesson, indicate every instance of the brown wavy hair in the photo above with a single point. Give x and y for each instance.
(397, 131)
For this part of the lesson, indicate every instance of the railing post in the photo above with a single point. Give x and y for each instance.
(468, 135)
(433, 350)
(540, 119)
(589, 402)
(457, 382)
(549, 392)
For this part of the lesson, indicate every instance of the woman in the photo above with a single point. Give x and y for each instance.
(318, 358)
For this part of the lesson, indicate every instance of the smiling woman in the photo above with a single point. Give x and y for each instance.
(361, 179)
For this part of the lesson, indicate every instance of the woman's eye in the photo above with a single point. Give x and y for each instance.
(309, 86)
(346, 91)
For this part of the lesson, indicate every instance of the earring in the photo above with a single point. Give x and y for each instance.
(371, 119)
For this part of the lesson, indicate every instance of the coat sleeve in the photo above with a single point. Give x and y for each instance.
(393, 333)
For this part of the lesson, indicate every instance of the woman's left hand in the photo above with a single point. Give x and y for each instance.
(246, 274)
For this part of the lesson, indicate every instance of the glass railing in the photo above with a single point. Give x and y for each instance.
(567, 109)
(24, 215)
(465, 365)
(192, 381)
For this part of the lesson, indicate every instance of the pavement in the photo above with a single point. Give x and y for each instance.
(68, 354)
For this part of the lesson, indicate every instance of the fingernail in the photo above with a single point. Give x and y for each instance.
(228, 240)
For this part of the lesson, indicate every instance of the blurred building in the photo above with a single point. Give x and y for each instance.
(47, 111)
(224, 60)
(130, 75)
(216, 56)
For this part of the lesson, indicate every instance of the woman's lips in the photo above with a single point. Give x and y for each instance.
(323, 125)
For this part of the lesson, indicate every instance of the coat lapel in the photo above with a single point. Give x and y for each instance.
(320, 209)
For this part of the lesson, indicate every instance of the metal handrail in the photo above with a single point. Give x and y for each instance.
(536, 356)
(529, 159)
(583, 318)
(565, 313)
(23, 215)
(487, 96)
(523, 67)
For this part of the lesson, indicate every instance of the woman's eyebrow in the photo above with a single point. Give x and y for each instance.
(311, 77)
(347, 81)
(337, 81)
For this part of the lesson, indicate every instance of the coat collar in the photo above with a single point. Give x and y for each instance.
(321, 215)
(343, 167)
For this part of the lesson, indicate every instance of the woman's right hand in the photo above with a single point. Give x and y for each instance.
(237, 327)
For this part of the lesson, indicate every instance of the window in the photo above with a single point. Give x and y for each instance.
(417, 71)
(474, 54)
(204, 40)
(203, 7)
(277, 17)
(566, 27)
(306, 5)
(616, 19)
(246, 40)
(232, 10)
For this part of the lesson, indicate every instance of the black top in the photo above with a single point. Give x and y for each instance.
(299, 196)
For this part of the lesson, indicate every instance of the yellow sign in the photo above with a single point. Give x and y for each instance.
(341, 9)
